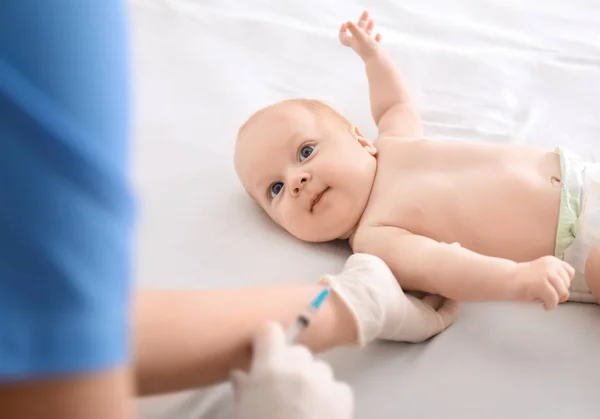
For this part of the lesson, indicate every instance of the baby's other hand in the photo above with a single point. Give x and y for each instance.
(546, 279)
(360, 38)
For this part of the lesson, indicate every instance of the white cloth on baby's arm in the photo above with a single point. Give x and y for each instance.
(381, 308)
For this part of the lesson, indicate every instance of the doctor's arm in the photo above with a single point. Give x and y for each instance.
(190, 338)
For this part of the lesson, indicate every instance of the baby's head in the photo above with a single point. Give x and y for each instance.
(307, 167)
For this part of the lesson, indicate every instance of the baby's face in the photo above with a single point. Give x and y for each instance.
(311, 172)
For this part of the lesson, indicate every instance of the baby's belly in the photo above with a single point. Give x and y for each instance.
(510, 218)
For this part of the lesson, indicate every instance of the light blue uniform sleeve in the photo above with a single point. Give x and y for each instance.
(66, 212)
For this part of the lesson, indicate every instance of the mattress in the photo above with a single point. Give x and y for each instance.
(480, 70)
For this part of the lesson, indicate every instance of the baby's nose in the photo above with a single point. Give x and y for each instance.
(299, 183)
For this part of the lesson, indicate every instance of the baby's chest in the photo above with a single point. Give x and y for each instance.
(407, 200)
(435, 202)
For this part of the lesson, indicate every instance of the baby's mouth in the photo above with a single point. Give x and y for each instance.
(317, 199)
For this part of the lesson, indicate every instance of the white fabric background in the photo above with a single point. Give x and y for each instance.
(480, 70)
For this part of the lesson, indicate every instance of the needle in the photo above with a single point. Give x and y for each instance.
(303, 319)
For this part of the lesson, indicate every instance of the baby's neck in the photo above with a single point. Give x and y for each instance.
(349, 235)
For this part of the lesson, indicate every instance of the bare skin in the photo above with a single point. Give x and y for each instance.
(188, 339)
(426, 192)
(97, 395)
(183, 340)
(409, 198)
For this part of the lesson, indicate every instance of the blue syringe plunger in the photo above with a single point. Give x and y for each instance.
(320, 299)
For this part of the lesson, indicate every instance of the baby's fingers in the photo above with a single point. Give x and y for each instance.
(560, 282)
(449, 312)
(356, 31)
(370, 26)
(363, 20)
(570, 270)
(343, 35)
(434, 301)
(550, 297)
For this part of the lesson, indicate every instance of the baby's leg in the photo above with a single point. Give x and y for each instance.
(592, 271)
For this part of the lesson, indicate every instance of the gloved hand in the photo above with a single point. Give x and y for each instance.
(285, 382)
(381, 308)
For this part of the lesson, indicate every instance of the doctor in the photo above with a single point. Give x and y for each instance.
(74, 341)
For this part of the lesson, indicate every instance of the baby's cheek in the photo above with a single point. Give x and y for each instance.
(287, 217)
(273, 215)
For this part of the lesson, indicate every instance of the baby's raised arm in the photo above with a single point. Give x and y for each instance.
(391, 107)
(420, 263)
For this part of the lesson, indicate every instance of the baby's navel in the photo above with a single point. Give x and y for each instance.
(555, 181)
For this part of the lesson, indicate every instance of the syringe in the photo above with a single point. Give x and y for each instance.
(303, 319)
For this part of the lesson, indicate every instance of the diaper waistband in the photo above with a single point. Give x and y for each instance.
(572, 190)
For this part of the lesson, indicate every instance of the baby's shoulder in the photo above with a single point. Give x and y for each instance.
(406, 148)
(369, 237)
(388, 142)
(363, 239)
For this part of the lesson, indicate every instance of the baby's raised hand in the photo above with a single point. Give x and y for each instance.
(546, 279)
(360, 38)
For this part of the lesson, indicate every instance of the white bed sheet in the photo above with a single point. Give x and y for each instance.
(480, 70)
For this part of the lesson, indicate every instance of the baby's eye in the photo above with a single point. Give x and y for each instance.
(306, 151)
(275, 189)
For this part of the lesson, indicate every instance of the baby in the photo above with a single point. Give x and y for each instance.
(527, 220)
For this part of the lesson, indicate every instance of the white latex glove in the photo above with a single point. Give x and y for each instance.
(380, 307)
(285, 382)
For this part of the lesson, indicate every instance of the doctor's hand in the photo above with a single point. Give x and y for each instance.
(285, 381)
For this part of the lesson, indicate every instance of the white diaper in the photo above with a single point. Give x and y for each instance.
(586, 231)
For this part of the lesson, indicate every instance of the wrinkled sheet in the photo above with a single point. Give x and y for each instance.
(480, 70)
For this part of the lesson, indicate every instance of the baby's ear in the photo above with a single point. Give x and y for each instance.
(363, 141)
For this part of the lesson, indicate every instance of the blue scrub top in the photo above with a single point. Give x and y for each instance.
(66, 211)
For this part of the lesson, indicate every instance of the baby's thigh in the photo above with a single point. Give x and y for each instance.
(592, 272)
